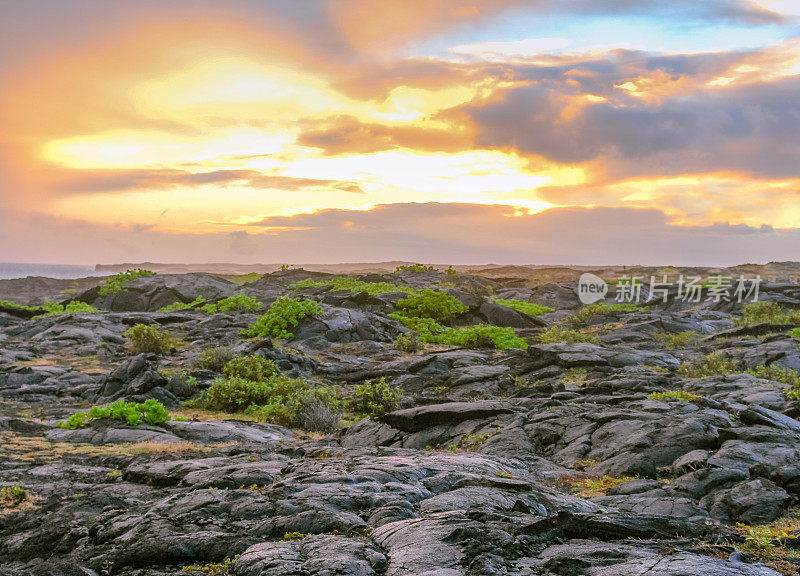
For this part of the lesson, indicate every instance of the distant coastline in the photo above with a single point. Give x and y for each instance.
(10, 270)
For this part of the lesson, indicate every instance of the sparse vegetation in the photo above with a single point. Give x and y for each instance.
(591, 487)
(244, 278)
(375, 398)
(253, 368)
(413, 268)
(524, 307)
(575, 376)
(422, 312)
(763, 312)
(175, 306)
(433, 304)
(73, 307)
(341, 283)
(686, 339)
(223, 568)
(599, 309)
(150, 412)
(10, 304)
(558, 333)
(235, 303)
(115, 283)
(283, 314)
(145, 338)
(13, 495)
(714, 364)
(215, 358)
(273, 398)
(677, 395)
(408, 342)
(783, 375)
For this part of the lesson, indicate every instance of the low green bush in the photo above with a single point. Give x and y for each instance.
(235, 303)
(556, 333)
(714, 364)
(114, 284)
(150, 412)
(689, 338)
(482, 336)
(679, 395)
(215, 358)
(283, 314)
(175, 306)
(599, 309)
(254, 368)
(342, 283)
(782, 375)
(477, 336)
(413, 268)
(13, 495)
(73, 307)
(145, 338)
(433, 304)
(10, 304)
(794, 332)
(375, 398)
(278, 400)
(524, 307)
(767, 313)
(408, 342)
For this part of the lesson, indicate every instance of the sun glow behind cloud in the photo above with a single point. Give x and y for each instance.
(217, 122)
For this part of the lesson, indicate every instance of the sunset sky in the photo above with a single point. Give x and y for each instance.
(536, 131)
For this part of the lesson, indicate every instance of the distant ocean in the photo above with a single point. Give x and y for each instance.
(15, 270)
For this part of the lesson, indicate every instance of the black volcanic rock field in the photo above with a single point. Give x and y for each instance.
(504, 439)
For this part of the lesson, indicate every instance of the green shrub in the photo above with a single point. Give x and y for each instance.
(244, 278)
(575, 376)
(224, 568)
(342, 283)
(115, 283)
(175, 306)
(283, 314)
(679, 395)
(451, 272)
(73, 307)
(13, 495)
(794, 332)
(477, 336)
(145, 338)
(375, 398)
(767, 313)
(235, 303)
(215, 358)
(524, 307)
(413, 268)
(237, 394)
(313, 409)
(558, 333)
(782, 375)
(689, 338)
(278, 400)
(10, 304)
(482, 336)
(598, 309)
(408, 342)
(150, 411)
(253, 368)
(712, 365)
(429, 303)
